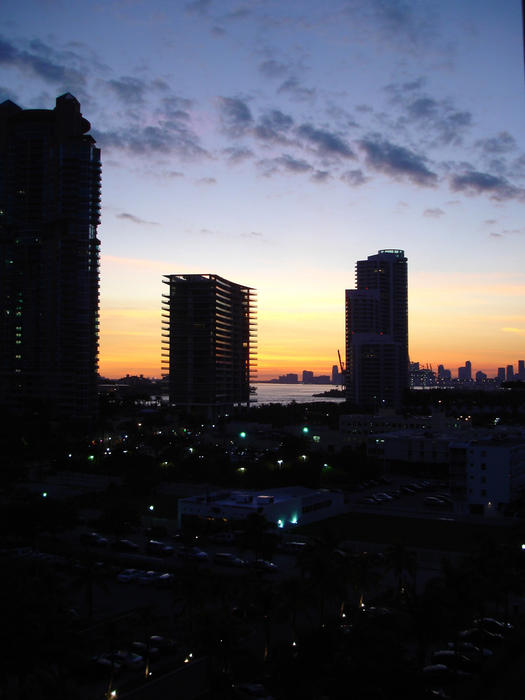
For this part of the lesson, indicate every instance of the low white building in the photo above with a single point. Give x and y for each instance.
(286, 507)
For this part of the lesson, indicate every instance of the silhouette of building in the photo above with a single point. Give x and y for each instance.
(290, 378)
(521, 370)
(49, 286)
(209, 341)
(465, 372)
(377, 331)
(510, 373)
(500, 377)
(336, 375)
(308, 376)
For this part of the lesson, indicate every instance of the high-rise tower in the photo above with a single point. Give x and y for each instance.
(49, 286)
(377, 331)
(209, 339)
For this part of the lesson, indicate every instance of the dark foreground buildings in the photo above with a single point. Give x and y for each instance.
(377, 331)
(49, 284)
(209, 340)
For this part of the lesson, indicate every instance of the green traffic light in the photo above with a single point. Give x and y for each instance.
(306, 429)
(242, 435)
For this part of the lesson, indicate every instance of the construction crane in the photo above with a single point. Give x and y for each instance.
(342, 368)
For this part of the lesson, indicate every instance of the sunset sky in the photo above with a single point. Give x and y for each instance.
(276, 142)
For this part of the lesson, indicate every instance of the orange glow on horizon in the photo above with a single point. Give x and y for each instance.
(452, 318)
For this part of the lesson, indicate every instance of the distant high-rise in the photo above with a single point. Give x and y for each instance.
(510, 373)
(377, 331)
(49, 286)
(209, 341)
(308, 376)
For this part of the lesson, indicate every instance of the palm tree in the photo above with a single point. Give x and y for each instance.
(402, 561)
(259, 535)
(361, 573)
(323, 566)
(90, 577)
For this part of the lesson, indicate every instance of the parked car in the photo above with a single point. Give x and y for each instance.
(228, 559)
(192, 553)
(294, 547)
(382, 497)
(145, 650)
(165, 645)
(470, 649)
(156, 547)
(127, 659)
(492, 625)
(453, 659)
(433, 501)
(481, 637)
(222, 537)
(125, 546)
(265, 565)
(165, 580)
(147, 578)
(104, 666)
(128, 575)
(93, 539)
(251, 690)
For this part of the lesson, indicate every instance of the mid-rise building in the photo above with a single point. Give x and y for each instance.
(49, 286)
(377, 331)
(487, 474)
(209, 342)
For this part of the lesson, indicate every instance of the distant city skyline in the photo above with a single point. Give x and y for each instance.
(277, 143)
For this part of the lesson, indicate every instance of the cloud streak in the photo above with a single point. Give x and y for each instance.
(136, 219)
(474, 182)
(398, 162)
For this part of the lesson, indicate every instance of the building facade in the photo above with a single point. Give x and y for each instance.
(209, 342)
(377, 331)
(49, 286)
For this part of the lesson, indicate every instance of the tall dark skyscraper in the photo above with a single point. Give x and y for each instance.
(49, 286)
(377, 331)
(209, 342)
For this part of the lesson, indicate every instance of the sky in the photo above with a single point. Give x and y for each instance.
(277, 142)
